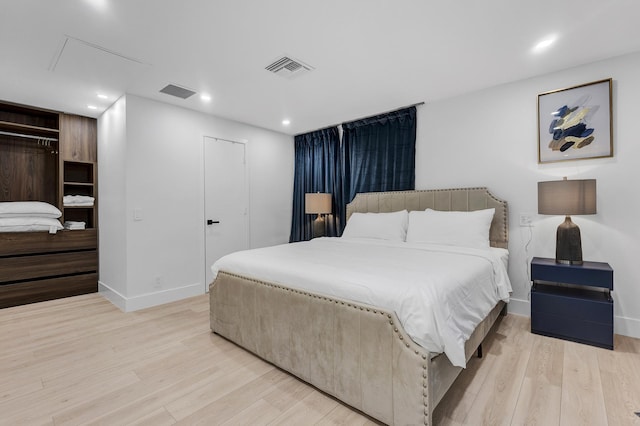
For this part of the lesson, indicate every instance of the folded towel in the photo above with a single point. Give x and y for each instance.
(70, 224)
(78, 200)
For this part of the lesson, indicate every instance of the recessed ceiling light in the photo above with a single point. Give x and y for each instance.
(205, 97)
(100, 5)
(92, 107)
(101, 96)
(544, 44)
(286, 122)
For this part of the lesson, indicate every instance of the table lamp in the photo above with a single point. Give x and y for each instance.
(567, 197)
(317, 203)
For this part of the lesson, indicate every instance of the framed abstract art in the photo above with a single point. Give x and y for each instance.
(575, 123)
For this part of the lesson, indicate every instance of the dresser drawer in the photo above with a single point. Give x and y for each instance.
(20, 268)
(46, 289)
(19, 243)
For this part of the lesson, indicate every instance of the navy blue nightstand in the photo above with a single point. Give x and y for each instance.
(572, 302)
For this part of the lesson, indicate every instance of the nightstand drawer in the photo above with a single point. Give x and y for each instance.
(595, 274)
(572, 303)
(564, 327)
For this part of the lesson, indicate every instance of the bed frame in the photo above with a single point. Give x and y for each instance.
(358, 353)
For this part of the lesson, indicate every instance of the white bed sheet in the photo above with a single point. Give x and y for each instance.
(439, 293)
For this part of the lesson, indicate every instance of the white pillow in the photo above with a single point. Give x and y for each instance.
(465, 229)
(29, 209)
(28, 224)
(384, 226)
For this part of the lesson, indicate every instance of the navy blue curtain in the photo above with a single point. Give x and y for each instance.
(316, 169)
(379, 155)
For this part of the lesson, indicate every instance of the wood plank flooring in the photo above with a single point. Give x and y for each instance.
(79, 361)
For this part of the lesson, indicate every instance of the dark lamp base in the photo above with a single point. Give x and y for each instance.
(569, 262)
(319, 229)
(568, 243)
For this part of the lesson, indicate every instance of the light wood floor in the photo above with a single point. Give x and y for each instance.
(82, 361)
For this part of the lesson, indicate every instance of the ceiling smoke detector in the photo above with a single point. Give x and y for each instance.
(177, 91)
(288, 67)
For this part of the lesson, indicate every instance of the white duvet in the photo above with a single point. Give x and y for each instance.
(439, 293)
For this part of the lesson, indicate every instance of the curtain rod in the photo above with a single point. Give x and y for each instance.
(361, 118)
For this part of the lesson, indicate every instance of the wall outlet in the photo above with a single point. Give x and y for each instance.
(526, 219)
(157, 282)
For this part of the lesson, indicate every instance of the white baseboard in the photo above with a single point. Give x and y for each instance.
(147, 300)
(519, 307)
(621, 325)
(112, 296)
(627, 326)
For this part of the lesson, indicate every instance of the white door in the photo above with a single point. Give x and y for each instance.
(226, 200)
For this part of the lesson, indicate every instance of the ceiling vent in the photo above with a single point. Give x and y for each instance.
(177, 91)
(288, 68)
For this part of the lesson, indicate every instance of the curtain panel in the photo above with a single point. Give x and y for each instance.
(379, 155)
(316, 169)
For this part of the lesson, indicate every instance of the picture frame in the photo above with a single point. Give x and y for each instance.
(575, 123)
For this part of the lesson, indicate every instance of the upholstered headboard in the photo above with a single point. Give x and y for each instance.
(458, 199)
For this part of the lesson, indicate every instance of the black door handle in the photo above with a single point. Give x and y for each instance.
(211, 222)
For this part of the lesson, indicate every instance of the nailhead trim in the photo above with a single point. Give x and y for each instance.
(425, 383)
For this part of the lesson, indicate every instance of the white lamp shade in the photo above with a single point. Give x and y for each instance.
(317, 203)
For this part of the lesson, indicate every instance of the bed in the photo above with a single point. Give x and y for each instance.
(356, 351)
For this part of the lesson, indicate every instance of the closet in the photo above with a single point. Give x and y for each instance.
(45, 156)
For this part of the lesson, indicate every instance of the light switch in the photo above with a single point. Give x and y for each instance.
(137, 214)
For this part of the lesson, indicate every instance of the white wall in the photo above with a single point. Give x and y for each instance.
(112, 141)
(164, 179)
(489, 138)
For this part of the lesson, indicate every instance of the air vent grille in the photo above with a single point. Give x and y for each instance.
(288, 67)
(177, 91)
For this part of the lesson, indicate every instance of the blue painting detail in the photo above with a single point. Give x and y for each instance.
(569, 126)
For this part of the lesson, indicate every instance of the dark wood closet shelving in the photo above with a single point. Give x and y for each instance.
(79, 179)
(45, 155)
(28, 129)
(33, 120)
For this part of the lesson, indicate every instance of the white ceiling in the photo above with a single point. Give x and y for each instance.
(370, 56)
